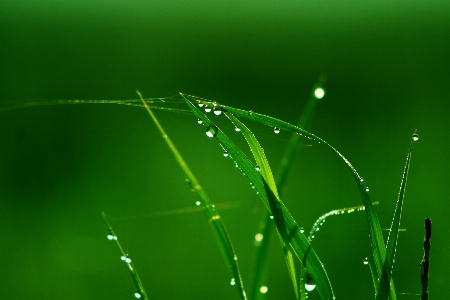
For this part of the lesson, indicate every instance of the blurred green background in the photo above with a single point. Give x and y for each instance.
(387, 64)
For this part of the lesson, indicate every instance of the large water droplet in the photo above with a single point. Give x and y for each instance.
(217, 111)
(233, 281)
(207, 109)
(319, 93)
(415, 137)
(310, 284)
(276, 130)
(366, 261)
(199, 121)
(211, 130)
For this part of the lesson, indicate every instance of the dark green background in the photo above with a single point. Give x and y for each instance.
(387, 64)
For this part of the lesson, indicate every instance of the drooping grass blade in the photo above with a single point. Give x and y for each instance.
(384, 287)
(210, 211)
(298, 242)
(376, 237)
(140, 291)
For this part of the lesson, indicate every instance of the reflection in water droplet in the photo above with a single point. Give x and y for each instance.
(217, 111)
(276, 130)
(310, 284)
(199, 121)
(415, 137)
(366, 261)
(233, 282)
(207, 109)
(211, 130)
(225, 154)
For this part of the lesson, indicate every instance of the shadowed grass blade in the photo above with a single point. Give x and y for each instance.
(140, 291)
(385, 280)
(211, 213)
(298, 242)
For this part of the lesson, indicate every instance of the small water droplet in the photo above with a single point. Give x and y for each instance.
(225, 154)
(361, 179)
(263, 289)
(259, 237)
(233, 281)
(215, 103)
(367, 188)
(302, 230)
(199, 121)
(310, 284)
(319, 93)
(211, 130)
(237, 129)
(207, 109)
(271, 217)
(200, 104)
(217, 111)
(197, 203)
(111, 236)
(415, 137)
(276, 130)
(250, 112)
(257, 168)
(366, 261)
(235, 257)
(137, 295)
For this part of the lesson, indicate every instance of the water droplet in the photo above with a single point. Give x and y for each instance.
(263, 289)
(233, 281)
(207, 109)
(257, 168)
(415, 137)
(137, 295)
(111, 236)
(215, 103)
(237, 129)
(200, 104)
(225, 154)
(276, 130)
(271, 217)
(197, 203)
(259, 237)
(366, 261)
(367, 188)
(199, 121)
(211, 130)
(310, 284)
(217, 111)
(319, 93)
(302, 230)
(235, 257)
(361, 179)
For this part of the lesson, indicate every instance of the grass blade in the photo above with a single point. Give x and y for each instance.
(425, 263)
(298, 242)
(211, 213)
(376, 237)
(385, 280)
(140, 291)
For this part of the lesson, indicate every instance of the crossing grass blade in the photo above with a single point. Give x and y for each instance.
(376, 237)
(385, 280)
(211, 213)
(297, 241)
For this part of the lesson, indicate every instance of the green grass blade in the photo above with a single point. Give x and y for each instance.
(298, 242)
(271, 191)
(140, 291)
(376, 237)
(211, 213)
(385, 280)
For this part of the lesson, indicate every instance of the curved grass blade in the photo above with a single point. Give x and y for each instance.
(140, 291)
(211, 213)
(385, 280)
(285, 163)
(376, 237)
(298, 242)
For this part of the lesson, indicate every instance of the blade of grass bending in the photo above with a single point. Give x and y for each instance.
(274, 200)
(376, 237)
(298, 242)
(211, 213)
(385, 280)
(140, 291)
(260, 264)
